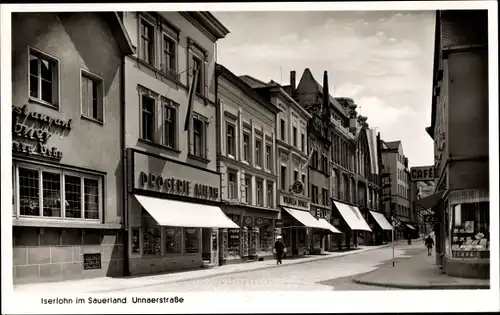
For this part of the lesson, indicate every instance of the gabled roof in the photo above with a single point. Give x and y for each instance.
(119, 32)
(393, 145)
(307, 75)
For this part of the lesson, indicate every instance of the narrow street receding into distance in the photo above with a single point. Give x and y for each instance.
(326, 275)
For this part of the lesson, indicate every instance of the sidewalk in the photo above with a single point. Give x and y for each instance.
(417, 272)
(108, 284)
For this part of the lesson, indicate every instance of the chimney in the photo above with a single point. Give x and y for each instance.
(326, 96)
(292, 80)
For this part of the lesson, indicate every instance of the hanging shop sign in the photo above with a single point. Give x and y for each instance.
(158, 174)
(297, 187)
(32, 130)
(422, 173)
(294, 202)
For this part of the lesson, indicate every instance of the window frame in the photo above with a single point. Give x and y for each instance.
(282, 129)
(63, 173)
(269, 193)
(248, 189)
(84, 73)
(163, 67)
(201, 77)
(283, 175)
(259, 193)
(258, 152)
(175, 106)
(154, 118)
(143, 19)
(204, 138)
(246, 147)
(295, 138)
(231, 140)
(56, 78)
(232, 195)
(269, 157)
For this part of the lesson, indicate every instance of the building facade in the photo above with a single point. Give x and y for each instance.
(67, 181)
(420, 190)
(459, 128)
(173, 188)
(398, 204)
(246, 158)
(347, 184)
(291, 164)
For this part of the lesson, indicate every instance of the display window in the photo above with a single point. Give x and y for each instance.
(302, 236)
(266, 239)
(191, 240)
(253, 241)
(244, 242)
(233, 243)
(468, 229)
(151, 236)
(173, 240)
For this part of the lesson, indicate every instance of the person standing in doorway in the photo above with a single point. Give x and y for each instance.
(429, 243)
(279, 247)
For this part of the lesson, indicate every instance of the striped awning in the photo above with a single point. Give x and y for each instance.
(457, 197)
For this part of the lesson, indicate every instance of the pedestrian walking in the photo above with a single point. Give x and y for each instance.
(429, 242)
(279, 247)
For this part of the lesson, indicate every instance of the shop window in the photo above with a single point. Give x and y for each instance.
(233, 243)
(92, 96)
(135, 241)
(43, 78)
(170, 124)
(81, 193)
(151, 235)
(266, 239)
(191, 240)
(470, 237)
(173, 240)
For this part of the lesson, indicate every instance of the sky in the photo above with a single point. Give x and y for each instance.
(381, 59)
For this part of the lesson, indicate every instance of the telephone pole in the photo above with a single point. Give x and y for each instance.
(387, 184)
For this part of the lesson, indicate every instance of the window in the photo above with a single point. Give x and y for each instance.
(81, 194)
(248, 189)
(146, 52)
(303, 142)
(173, 240)
(269, 157)
(246, 147)
(258, 152)
(295, 144)
(231, 141)
(232, 186)
(314, 194)
(191, 241)
(199, 137)
(283, 177)
(315, 162)
(198, 64)
(151, 235)
(324, 195)
(260, 193)
(92, 97)
(170, 125)
(43, 78)
(295, 175)
(282, 130)
(324, 164)
(148, 118)
(270, 189)
(304, 182)
(169, 63)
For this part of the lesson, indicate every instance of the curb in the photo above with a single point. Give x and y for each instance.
(420, 287)
(238, 271)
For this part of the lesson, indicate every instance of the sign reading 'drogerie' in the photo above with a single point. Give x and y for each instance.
(171, 177)
(422, 173)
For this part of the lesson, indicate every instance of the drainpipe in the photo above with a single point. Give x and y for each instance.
(126, 271)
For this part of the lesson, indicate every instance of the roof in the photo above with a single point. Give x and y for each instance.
(319, 89)
(245, 88)
(393, 145)
(119, 32)
(209, 22)
(253, 82)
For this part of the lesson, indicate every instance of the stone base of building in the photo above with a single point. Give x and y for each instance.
(472, 268)
(57, 254)
(155, 265)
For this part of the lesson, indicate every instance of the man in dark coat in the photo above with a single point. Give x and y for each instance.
(429, 242)
(279, 247)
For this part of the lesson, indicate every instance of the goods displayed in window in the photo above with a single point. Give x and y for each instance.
(135, 241)
(224, 242)
(173, 237)
(244, 242)
(470, 230)
(151, 235)
(233, 236)
(253, 241)
(266, 239)
(192, 241)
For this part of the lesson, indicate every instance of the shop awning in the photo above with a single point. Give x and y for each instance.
(327, 226)
(381, 220)
(305, 218)
(429, 202)
(352, 217)
(410, 226)
(185, 214)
